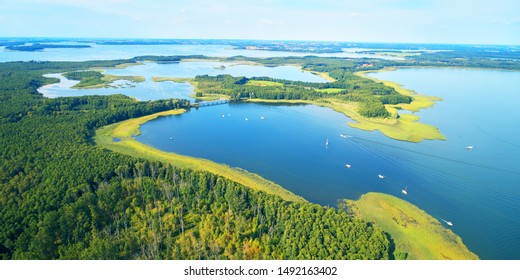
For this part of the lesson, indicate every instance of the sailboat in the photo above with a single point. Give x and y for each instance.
(405, 190)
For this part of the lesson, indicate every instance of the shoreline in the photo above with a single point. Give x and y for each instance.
(416, 234)
(125, 130)
(407, 127)
(381, 212)
(108, 79)
(406, 238)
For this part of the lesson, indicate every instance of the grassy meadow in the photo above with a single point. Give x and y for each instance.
(416, 235)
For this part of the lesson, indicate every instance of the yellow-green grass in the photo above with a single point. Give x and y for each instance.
(119, 66)
(171, 79)
(405, 128)
(413, 231)
(325, 76)
(127, 145)
(418, 102)
(260, 83)
(330, 90)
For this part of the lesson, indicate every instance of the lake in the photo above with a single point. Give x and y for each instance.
(150, 90)
(475, 189)
(109, 52)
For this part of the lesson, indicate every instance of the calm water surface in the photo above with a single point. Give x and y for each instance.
(477, 190)
(109, 52)
(150, 90)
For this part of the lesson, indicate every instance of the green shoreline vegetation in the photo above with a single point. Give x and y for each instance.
(416, 235)
(96, 79)
(383, 117)
(124, 131)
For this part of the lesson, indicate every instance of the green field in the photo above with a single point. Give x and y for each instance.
(127, 145)
(260, 83)
(330, 90)
(416, 234)
(171, 79)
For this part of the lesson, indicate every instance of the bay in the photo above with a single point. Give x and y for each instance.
(475, 189)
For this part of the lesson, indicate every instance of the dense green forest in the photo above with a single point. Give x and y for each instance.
(369, 95)
(62, 197)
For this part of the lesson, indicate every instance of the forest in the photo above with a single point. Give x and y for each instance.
(62, 197)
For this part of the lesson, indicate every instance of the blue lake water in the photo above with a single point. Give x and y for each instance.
(108, 52)
(150, 90)
(478, 190)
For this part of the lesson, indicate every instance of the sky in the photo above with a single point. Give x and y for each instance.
(410, 21)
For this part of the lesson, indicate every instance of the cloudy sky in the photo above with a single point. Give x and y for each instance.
(418, 21)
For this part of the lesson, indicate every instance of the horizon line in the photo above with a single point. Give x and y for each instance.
(261, 40)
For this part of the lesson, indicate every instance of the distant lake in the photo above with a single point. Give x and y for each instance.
(150, 90)
(475, 189)
(109, 52)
